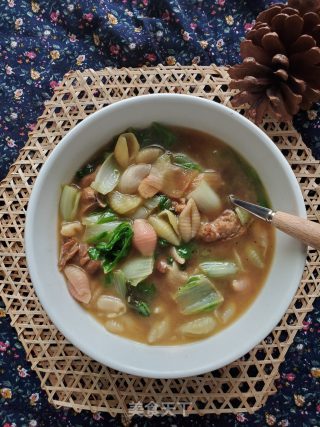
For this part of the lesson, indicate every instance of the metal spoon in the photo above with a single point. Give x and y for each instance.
(302, 229)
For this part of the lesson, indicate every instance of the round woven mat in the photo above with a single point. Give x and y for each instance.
(72, 379)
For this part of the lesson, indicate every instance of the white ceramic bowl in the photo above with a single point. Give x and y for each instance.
(42, 243)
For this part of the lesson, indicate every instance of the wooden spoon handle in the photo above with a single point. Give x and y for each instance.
(306, 231)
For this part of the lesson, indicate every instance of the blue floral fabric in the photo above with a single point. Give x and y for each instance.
(43, 39)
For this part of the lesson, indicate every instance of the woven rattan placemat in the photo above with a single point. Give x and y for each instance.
(72, 379)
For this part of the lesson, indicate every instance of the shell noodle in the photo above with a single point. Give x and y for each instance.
(144, 237)
(126, 149)
(176, 277)
(78, 283)
(189, 221)
(164, 230)
(158, 330)
(152, 184)
(111, 306)
(70, 229)
(148, 155)
(132, 177)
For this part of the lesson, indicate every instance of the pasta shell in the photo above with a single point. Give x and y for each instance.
(132, 177)
(189, 221)
(148, 155)
(144, 237)
(78, 283)
(164, 230)
(114, 326)
(201, 326)
(175, 277)
(173, 252)
(226, 312)
(70, 229)
(126, 149)
(123, 203)
(111, 306)
(171, 218)
(152, 184)
(158, 330)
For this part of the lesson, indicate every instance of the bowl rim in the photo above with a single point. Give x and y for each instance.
(75, 340)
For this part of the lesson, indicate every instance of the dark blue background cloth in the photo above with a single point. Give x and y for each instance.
(40, 42)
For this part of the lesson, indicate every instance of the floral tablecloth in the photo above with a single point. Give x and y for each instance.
(43, 39)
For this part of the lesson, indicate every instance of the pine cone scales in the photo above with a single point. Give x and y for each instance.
(280, 72)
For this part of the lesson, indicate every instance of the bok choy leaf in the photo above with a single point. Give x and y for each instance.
(85, 170)
(243, 215)
(216, 269)
(185, 162)
(139, 297)
(138, 269)
(69, 202)
(107, 177)
(120, 283)
(114, 247)
(198, 295)
(99, 218)
(186, 250)
(96, 232)
(155, 134)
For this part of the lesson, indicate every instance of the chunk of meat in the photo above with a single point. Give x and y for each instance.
(225, 227)
(179, 204)
(87, 180)
(162, 265)
(69, 249)
(88, 200)
(91, 266)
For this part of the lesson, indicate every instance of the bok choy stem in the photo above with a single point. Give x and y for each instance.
(69, 202)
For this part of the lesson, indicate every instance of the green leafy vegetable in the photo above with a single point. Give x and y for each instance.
(107, 216)
(170, 260)
(186, 250)
(198, 295)
(114, 247)
(139, 297)
(156, 134)
(243, 215)
(163, 243)
(95, 233)
(86, 170)
(165, 203)
(216, 269)
(141, 307)
(185, 162)
(69, 202)
(99, 217)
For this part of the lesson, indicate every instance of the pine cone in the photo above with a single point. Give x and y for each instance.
(280, 73)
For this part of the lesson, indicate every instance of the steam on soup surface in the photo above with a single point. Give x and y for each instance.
(150, 245)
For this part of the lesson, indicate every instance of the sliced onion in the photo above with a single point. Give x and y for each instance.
(123, 203)
(206, 199)
(107, 177)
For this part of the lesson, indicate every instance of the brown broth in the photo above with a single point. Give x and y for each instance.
(240, 179)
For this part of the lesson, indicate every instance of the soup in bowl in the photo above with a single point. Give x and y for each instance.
(142, 287)
(149, 243)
